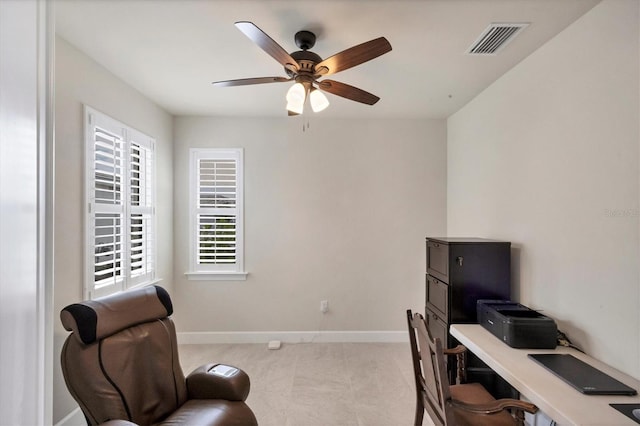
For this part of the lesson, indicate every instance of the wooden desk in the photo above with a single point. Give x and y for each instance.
(554, 397)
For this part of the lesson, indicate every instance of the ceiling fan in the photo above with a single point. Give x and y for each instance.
(305, 68)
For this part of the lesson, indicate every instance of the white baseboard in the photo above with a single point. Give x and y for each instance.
(207, 337)
(74, 418)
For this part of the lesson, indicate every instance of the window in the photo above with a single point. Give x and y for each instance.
(120, 194)
(216, 207)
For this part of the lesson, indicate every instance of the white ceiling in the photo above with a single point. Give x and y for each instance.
(171, 50)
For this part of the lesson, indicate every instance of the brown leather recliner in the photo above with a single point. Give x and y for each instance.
(121, 365)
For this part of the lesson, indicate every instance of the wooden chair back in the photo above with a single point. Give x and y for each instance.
(430, 371)
(462, 403)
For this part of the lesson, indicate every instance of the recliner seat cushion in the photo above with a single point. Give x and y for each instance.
(211, 412)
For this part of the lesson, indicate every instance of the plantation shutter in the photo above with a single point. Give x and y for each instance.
(218, 199)
(141, 223)
(120, 224)
(105, 233)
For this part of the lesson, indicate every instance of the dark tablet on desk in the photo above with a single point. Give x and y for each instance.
(629, 410)
(582, 376)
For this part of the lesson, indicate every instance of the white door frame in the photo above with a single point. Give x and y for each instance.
(26, 211)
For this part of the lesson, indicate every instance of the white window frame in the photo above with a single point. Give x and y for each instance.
(129, 138)
(229, 272)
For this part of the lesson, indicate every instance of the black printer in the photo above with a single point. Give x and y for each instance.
(517, 325)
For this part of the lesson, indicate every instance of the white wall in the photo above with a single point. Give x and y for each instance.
(547, 157)
(25, 308)
(80, 81)
(338, 212)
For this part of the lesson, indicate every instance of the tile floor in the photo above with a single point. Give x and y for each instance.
(320, 384)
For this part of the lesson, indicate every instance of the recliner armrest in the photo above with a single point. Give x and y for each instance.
(218, 381)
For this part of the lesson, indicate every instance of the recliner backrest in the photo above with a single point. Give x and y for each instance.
(121, 359)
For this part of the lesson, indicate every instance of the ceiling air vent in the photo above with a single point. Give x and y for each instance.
(495, 37)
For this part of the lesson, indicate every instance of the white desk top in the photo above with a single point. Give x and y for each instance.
(554, 397)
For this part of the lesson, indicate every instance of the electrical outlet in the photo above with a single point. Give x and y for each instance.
(324, 306)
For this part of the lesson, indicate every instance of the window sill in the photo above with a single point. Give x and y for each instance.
(217, 276)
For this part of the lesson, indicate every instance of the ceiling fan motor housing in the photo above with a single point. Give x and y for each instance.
(306, 61)
(305, 40)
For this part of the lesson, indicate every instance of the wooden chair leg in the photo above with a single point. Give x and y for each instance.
(419, 414)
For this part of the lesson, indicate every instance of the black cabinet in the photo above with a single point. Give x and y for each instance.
(459, 272)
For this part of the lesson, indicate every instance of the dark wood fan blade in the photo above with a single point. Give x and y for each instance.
(247, 81)
(347, 91)
(267, 44)
(353, 56)
(291, 113)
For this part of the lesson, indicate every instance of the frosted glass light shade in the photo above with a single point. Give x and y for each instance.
(318, 100)
(296, 93)
(295, 98)
(296, 107)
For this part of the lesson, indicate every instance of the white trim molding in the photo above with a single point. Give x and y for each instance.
(210, 337)
(212, 275)
(74, 418)
(26, 211)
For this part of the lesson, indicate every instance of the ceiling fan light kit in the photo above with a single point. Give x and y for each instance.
(305, 68)
(318, 100)
(296, 96)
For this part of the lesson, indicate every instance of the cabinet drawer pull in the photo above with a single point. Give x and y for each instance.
(434, 316)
